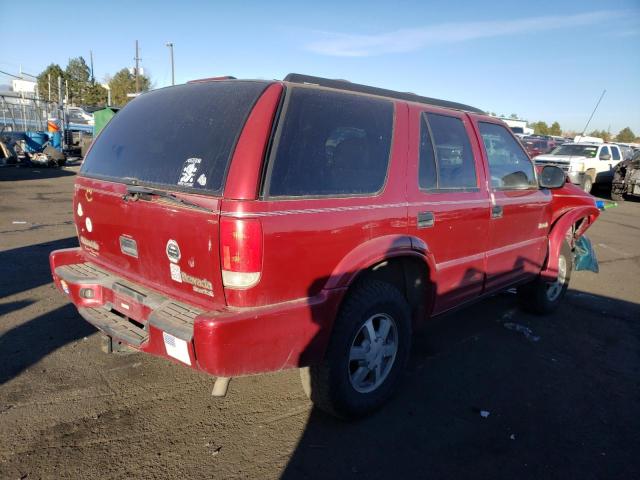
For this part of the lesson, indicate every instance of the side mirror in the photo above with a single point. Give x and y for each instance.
(605, 156)
(552, 177)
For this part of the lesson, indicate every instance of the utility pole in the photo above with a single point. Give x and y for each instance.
(93, 79)
(173, 76)
(59, 92)
(137, 67)
(61, 115)
(49, 85)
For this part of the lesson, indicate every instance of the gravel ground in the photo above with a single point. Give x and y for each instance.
(564, 405)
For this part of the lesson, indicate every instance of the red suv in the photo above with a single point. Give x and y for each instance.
(538, 145)
(240, 227)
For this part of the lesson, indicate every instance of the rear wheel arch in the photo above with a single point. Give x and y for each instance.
(410, 274)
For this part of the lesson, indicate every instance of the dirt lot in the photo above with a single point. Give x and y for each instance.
(564, 406)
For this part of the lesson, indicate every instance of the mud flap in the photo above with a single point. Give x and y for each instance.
(585, 257)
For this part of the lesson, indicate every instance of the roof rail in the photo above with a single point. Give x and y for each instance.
(382, 92)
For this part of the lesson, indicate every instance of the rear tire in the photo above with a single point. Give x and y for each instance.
(368, 350)
(543, 297)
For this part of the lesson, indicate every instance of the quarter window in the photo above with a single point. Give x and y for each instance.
(331, 144)
(446, 159)
(509, 165)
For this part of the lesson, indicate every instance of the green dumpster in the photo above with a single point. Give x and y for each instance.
(101, 118)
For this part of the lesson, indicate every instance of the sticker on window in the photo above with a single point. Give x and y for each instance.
(189, 172)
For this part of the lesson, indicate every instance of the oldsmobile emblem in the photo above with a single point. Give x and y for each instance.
(173, 251)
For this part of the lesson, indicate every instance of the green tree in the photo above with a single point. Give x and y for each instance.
(540, 128)
(513, 116)
(96, 95)
(54, 70)
(124, 82)
(555, 129)
(78, 76)
(626, 135)
(603, 134)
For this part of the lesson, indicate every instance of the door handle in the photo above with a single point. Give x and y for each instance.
(426, 219)
(496, 211)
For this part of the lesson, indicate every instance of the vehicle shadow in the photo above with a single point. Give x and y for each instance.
(24, 268)
(29, 342)
(605, 194)
(19, 172)
(492, 392)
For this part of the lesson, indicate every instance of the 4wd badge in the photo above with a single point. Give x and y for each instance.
(173, 251)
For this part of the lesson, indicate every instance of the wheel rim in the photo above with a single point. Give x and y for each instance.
(587, 186)
(555, 288)
(373, 352)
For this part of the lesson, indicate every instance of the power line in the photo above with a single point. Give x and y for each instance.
(592, 113)
(10, 74)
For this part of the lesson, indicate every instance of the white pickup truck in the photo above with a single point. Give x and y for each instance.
(585, 163)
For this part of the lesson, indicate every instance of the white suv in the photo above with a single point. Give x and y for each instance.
(585, 163)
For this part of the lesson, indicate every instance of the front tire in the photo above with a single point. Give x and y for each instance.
(617, 197)
(543, 297)
(368, 350)
(587, 184)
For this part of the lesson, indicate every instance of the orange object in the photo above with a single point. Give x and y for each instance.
(53, 126)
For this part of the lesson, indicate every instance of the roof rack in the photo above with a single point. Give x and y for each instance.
(212, 79)
(382, 92)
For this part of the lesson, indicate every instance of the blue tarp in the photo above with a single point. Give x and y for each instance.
(585, 256)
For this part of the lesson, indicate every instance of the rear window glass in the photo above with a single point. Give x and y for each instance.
(331, 144)
(179, 138)
(453, 156)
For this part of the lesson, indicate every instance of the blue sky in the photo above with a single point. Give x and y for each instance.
(543, 60)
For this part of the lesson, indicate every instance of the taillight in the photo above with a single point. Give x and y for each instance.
(240, 252)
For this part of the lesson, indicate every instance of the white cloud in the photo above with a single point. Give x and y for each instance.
(407, 40)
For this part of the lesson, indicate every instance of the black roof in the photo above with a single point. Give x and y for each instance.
(382, 92)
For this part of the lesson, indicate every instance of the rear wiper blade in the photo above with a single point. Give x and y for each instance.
(136, 192)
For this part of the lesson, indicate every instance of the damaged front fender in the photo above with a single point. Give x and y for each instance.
(572, 224)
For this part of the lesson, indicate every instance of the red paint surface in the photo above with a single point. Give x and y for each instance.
(312, 249)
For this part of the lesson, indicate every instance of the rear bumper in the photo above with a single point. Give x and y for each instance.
(227, 342)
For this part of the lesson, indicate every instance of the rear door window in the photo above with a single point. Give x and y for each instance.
(615, 153)
(509, 165)
(446, 159)
(179, 138)
(331, 143)
(604, 151)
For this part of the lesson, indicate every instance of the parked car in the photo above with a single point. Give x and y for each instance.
(538, 146)
(626, 178)
(79, 115)
(240, 227)
(586, 164)
(627, 152)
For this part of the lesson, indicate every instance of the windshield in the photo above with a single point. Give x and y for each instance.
(180, 137)
(588, 151)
